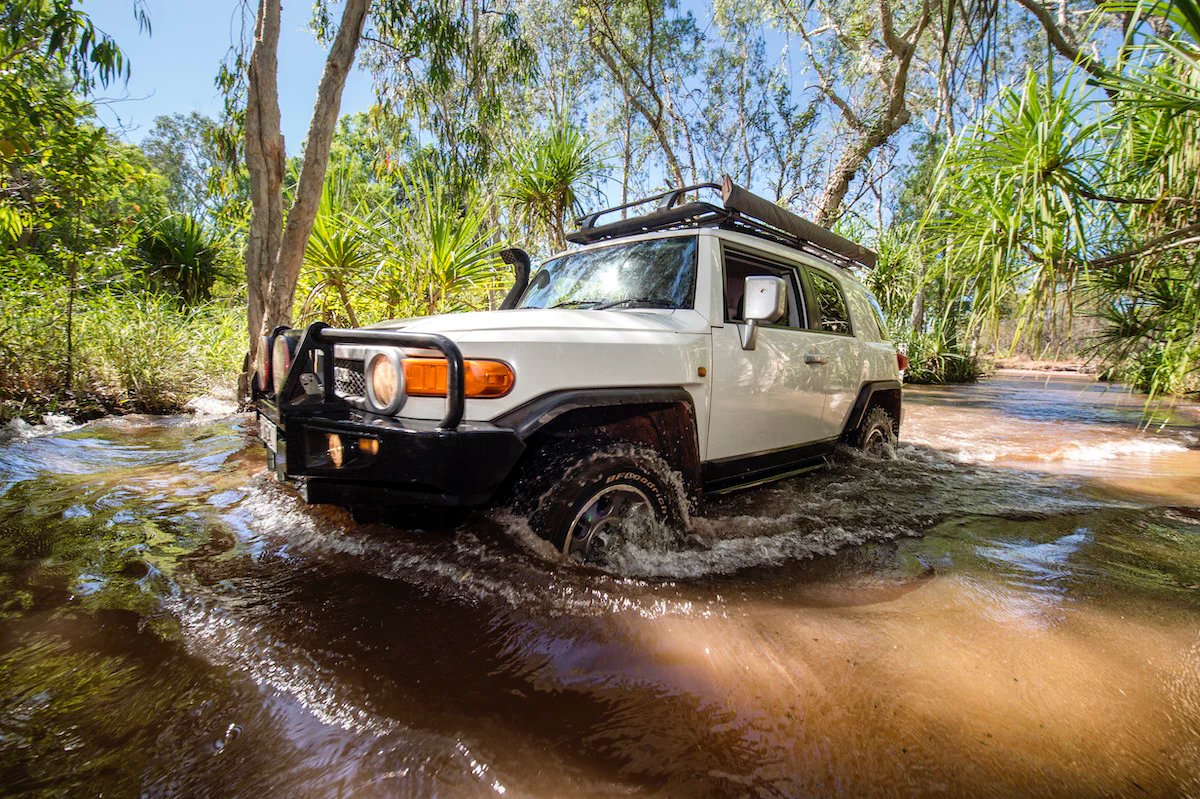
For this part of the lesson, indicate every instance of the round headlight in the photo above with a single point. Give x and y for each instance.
(262, 364)
(385, 379)
(281, 361)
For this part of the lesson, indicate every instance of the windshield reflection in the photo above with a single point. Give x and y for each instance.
(659, 273)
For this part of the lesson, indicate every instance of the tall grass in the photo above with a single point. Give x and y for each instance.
(132, 352)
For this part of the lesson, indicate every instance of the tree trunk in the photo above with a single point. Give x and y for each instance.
(264, 162)
(274, 253)
(853, 157)
(917, 321)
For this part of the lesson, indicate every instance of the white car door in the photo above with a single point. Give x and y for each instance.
(770, 398)
(840, 352)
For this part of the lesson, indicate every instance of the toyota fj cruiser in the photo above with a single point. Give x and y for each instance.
(691, 350)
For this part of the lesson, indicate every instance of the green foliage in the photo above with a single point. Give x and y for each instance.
(142, 352)
(342, 253)
(936, 357)
(449, 69)
(396, 243)
(1062, 196)
(184, 150)
(182, 256)
(62, 37)
(134, 351)
(440, 253)
(547, 177)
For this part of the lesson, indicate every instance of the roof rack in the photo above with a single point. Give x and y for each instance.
(740, 210)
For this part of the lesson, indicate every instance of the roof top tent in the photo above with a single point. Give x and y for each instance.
(740, 210)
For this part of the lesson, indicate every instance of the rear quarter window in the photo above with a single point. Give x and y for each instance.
(833, 313)
(868, 317)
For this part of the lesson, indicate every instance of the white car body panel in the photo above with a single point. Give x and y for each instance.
(747, 402)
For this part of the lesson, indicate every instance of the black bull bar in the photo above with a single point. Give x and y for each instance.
(320, 337)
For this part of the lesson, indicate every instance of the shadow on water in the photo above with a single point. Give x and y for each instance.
(172, 623)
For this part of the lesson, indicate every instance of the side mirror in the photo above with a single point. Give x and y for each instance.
(764, 301)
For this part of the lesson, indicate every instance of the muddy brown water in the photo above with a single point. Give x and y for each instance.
(1009, 608)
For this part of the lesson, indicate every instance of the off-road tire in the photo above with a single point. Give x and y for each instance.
(563, 479)
(877, 433)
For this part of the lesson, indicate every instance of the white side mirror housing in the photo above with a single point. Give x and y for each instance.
(764, 301)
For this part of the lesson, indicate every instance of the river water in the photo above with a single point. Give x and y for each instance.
(1010, 607)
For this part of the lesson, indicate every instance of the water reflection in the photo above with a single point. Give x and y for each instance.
(966, 618)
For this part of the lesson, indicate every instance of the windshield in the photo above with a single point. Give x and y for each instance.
(659, 273)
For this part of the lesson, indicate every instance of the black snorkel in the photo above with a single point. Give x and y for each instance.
(519, 260)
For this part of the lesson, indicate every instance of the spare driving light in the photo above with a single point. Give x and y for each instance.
(281, 362)
(427, 377)
(262, 364)
(385, 382)
(337, 450)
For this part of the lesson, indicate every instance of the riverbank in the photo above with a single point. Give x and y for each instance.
(1022, 364)
(125, 353)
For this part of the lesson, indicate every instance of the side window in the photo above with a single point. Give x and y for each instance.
(866, 319)
(831, 304)
(740, 265)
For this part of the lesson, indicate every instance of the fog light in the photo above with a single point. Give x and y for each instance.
(337, 452)
(385, 382)
(369, 446)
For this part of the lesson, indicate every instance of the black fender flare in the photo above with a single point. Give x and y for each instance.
(863, 401)
(673, 409)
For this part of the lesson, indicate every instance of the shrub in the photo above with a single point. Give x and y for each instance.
(141, 352)
(931, 359)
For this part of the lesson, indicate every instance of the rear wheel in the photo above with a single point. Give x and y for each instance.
(877, 433)
(579, 496)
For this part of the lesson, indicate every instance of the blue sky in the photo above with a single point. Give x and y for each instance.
(173, 67)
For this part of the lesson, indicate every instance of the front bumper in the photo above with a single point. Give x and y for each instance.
(390, 461)
(341, 454)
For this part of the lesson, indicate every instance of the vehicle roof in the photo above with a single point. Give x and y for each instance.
(742, 239)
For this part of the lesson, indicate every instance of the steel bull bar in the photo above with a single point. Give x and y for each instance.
(320, 337)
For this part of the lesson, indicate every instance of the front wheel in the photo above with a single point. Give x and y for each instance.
(583, 497)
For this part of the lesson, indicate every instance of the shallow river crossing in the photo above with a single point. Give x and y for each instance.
(1011, 607)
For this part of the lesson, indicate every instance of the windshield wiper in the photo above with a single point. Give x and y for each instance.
(569, 303)
(645, 302)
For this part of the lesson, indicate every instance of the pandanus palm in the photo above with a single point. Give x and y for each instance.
(440, 251)
(549, 177)
(340, 255)
(184, 255)
(1058, 189)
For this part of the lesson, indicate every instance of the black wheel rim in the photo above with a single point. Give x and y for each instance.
(600, 520)
(876, 441)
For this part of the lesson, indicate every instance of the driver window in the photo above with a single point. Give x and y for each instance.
(738, 266)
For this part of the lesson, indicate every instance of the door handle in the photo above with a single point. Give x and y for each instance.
(815, 359)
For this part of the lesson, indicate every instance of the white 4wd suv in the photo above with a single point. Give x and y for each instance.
(692, 350)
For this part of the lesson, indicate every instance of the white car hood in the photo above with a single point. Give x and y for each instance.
(547, 319)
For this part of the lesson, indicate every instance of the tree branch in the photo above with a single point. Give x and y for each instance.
(1062, 40)
(1180, 237)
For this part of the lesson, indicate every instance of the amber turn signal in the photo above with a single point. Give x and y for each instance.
(427, 377)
